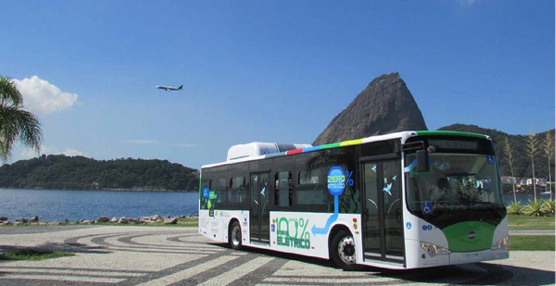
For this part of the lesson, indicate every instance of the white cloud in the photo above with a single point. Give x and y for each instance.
(72, 152)
(40, 96)
(142, 141)
(28, 153)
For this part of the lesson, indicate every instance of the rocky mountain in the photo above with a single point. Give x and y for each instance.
(522, 162)
(385, 106)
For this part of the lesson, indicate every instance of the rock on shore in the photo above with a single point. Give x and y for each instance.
(103, 219)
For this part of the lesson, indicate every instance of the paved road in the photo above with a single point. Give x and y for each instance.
(531, 232)
(127, 255)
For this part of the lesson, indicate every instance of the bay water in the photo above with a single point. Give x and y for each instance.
(58, 205)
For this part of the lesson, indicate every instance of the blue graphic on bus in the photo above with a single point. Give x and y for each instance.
(387, 189)
(206, 193)
(337, 181)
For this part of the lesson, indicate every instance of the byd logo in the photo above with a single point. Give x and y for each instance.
(471, 235)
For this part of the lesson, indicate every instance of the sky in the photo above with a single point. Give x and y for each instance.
(267, 71)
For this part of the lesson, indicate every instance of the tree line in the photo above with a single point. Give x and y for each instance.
(81, 173)
(521, 151)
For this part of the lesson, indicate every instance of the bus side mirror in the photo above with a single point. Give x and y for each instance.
(422, 161)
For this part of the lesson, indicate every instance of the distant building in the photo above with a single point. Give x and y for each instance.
(507, 180)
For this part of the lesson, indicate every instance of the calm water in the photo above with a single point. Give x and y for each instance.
(56, 205)
(525, 197)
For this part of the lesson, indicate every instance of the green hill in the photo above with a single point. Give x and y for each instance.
(81, 173)
(522, 162)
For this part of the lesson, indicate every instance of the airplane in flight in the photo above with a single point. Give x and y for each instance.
(169, 88)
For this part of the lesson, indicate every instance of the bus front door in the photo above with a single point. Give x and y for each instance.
(259, 214)
(382, 211)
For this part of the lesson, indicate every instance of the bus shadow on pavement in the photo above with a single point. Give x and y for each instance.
(476, 274)
(287, 256)
(464, 274)
(61, 247)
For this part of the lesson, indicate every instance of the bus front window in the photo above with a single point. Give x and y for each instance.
(453, 182)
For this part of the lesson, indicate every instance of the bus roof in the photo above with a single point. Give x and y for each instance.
(402, 135)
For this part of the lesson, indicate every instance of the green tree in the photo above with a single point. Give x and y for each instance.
(549, 152)
(16, 123)
(531, 151)
(509, 157)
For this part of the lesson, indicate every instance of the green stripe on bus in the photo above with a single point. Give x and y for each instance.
(328, 146)
(452, 133)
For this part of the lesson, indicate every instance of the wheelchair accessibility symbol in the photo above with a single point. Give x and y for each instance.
(490, 159)
(427, 207)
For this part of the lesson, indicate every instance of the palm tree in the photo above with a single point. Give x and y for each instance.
(531, 151)
(509, 155)
(16, 123)
(549, 152)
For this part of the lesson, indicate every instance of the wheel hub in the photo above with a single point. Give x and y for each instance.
(346, 250)
(236, 236)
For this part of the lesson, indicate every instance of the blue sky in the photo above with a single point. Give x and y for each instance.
(271, 71)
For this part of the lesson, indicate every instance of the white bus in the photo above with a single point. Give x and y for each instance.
(399, 201)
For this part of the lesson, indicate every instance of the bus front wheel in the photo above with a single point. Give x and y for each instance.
(234, 237)
(343, 250)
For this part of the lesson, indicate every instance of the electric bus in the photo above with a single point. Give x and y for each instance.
(404, 200)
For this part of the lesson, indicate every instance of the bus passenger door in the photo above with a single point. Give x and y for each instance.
(382, 212)
(259, 215)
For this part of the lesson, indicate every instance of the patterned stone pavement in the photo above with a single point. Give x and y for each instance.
(127, 255)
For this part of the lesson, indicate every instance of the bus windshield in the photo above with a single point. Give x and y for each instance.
(454, 182)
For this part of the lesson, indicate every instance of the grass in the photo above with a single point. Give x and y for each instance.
(532, 242)
(517, 222)
(30, 254)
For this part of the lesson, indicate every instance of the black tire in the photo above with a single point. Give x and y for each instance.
(342, 250)
(234, 237)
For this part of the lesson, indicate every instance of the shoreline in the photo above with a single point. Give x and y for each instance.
(103, 190)
(104, 220)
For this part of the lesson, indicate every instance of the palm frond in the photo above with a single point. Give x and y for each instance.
(20, 124)
(9, 95)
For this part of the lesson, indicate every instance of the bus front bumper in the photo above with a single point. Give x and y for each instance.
(470, 257)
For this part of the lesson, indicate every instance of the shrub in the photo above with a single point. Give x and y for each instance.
(515, 208)
(533, 208)
(548, 206)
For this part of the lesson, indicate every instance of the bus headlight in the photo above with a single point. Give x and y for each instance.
(503, 243)
(433, 249)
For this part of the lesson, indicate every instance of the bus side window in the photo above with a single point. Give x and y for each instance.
(238, 191)
(219, 187)
(283, 195)
(205, 184)
(311, 189)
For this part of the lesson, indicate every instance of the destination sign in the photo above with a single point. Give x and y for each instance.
(454, 144)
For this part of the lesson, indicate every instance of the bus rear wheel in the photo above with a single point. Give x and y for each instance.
(234, 237)
(343, 250)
